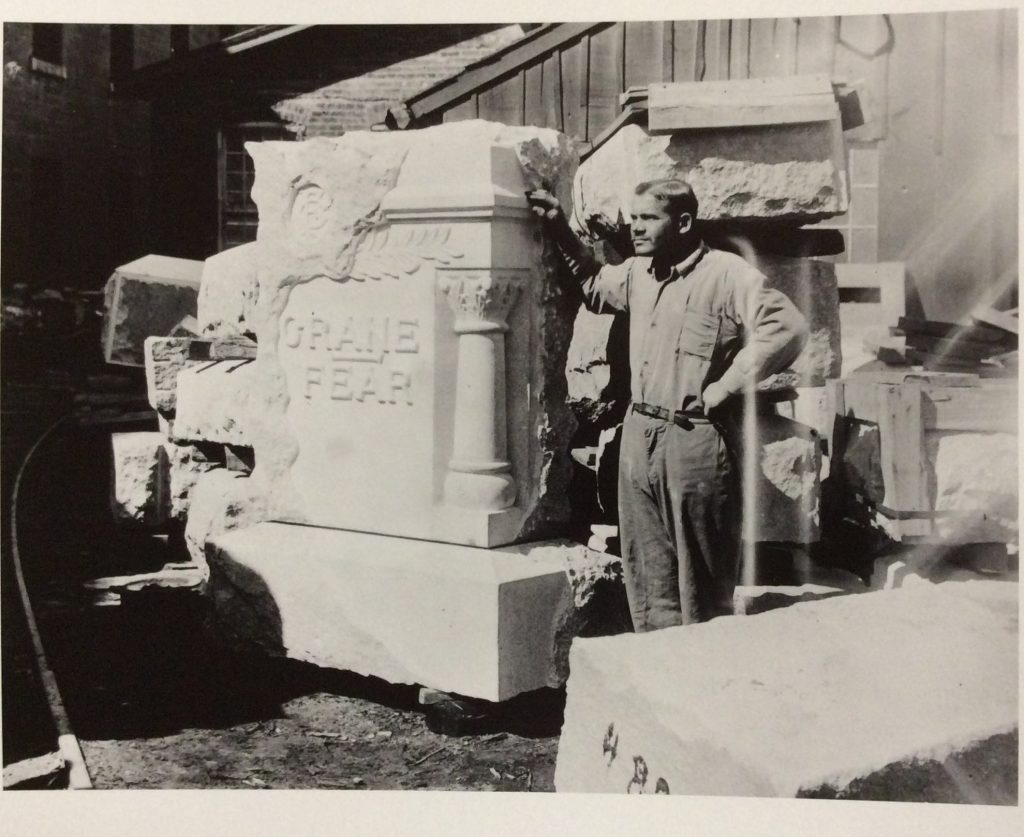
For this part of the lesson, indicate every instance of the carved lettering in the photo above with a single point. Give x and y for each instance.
(340, 382)
(361, 356)
(405, 336)
(314, 377)
(292, 332)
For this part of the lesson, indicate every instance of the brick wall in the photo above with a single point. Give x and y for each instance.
(75, 165)
(360, 102)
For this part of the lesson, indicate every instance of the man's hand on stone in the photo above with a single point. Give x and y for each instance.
(714, 396)
(544, 204)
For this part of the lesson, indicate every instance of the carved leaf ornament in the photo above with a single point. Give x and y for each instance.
(392, 252)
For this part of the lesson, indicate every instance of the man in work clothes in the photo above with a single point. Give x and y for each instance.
(702, 328)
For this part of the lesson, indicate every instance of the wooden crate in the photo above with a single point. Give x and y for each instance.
(906, 406)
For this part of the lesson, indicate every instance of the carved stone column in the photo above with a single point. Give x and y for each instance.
(480, 474)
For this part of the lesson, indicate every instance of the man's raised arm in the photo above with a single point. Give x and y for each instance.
(604, 288)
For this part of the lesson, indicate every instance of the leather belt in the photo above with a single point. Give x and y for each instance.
(679, 417)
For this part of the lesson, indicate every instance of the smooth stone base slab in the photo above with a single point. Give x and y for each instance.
(822, 695)
(484, 623)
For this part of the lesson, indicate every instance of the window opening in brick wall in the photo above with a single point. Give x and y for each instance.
(859, 225)
(48, 49)
(238, 217)
(122, 49)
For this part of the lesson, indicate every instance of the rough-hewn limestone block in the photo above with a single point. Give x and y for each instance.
(811, 285)
(215, 403)
(975, 472)
(406, 298)
(185, 463)
(486, 623)
(219, 502)
(597, 367)
(138, 487)
(782, 171)
(165, 357)
(788, 483)
(853, 695)
(146, 298)
(228, 291)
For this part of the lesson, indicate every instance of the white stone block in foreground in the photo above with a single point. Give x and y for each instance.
(805, 701)
(485, 623)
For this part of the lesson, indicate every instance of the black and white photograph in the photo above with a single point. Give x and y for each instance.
(599, 408)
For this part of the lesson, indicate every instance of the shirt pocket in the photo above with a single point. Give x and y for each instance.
(699, 334)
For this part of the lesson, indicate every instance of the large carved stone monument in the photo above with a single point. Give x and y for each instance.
(407, 404)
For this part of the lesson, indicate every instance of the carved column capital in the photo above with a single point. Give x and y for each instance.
(481, 299)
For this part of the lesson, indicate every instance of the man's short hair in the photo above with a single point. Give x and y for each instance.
(675, 195)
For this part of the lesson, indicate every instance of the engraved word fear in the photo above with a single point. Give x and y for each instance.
(355, 358)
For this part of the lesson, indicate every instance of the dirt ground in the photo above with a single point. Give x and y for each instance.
(153, 697)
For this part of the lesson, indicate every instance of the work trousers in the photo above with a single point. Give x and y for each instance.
(678, 521)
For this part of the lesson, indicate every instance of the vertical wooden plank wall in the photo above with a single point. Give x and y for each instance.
(575, 66)
(533, 95)
(504, 101)
(606, 76)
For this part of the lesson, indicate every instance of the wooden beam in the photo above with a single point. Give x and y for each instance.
(680, 92)
(477, 77)
(901, 433)
(575, 69)
(705, 114)
(989, 408)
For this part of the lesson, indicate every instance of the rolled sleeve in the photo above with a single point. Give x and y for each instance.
(776, 331)
(607, 290)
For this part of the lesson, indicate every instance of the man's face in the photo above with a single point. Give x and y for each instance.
(652, 229)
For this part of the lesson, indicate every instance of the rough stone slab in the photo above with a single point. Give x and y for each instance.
(812, 287)
(795, 172)
(185, 463)
(975, 473)
(146, 298)
(165, 357)
(817, 696)
(412, 234)
(229, 291)
(214, 403)
(221, 501)
(597, 368)
(138, 487)
(787, 488)
(482, 623)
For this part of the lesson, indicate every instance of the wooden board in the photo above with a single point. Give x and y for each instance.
(717, 35)
(955, 350)
(933, 328)
(644, 52)
(533, 95)
(504, 101)
(706, 114)
(461, 111)
(739, 50)
(605, 79)
(758, 89)
(575, 78)
(686, 50)
(551, 84)
(989, 408)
